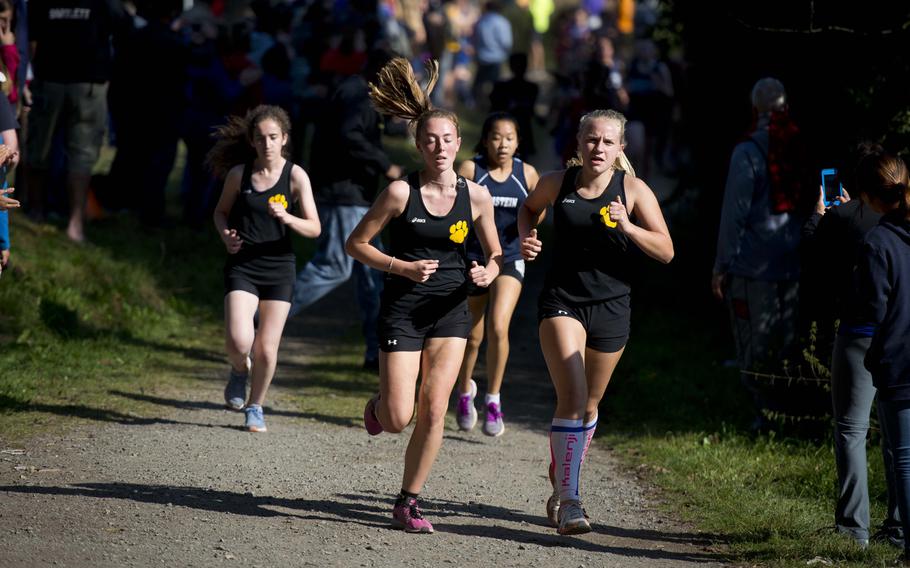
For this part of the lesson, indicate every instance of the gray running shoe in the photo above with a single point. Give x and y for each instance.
(572, 519)
(235, 391)
(553, 509)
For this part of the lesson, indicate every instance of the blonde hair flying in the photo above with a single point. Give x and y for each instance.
(398, 93)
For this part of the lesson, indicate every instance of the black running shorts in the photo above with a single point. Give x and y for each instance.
(606, 323)
(267, 278)
(407, 319)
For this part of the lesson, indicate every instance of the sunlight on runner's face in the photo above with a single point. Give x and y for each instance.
(600, 143)
(438, 144)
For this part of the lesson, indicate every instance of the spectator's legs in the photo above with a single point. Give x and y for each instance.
(331, 266)
(896, 417)
(76, 189)
(763, 317)
(369, 284)
(893, 517)
(851, 394)
(85, 113)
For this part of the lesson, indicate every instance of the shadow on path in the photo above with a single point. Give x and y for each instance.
(183, 404)
(358, 508)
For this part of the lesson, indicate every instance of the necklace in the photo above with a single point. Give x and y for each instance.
(443, 185)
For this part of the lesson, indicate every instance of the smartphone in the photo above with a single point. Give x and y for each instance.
(831, 186)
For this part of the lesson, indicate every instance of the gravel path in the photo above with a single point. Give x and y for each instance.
(191, 489)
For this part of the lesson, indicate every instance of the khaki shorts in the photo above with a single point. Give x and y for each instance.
(80, 109)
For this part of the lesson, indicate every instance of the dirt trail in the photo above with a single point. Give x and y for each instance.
(191, 489)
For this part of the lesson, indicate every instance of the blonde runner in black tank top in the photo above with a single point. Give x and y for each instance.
(591, 254)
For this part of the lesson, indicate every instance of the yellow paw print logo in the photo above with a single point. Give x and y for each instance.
(279, 198)
(458, 232)
(605, 217)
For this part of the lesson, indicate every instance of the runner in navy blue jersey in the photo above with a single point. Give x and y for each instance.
(509, 181)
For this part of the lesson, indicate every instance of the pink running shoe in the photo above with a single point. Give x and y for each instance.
(407, 516)
(370, 422)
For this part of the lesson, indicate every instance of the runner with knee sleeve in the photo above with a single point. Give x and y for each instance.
(584, 308)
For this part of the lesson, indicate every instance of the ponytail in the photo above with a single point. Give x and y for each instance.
(397, 93)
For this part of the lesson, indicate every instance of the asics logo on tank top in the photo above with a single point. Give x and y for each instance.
(418, 220)
(567, 200)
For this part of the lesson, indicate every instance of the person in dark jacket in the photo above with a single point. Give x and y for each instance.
(883, 290)
(834, 249)
(72, 65)
(346, 160)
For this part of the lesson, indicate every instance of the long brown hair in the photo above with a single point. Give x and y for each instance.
(397, 93)
(233, 141)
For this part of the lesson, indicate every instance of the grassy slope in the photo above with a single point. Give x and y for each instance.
(132, 310)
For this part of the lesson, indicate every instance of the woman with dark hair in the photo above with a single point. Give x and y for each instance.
(423, 315)
(509, 181)
(253, 219)
(883, 305)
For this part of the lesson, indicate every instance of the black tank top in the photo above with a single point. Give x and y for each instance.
(417, 234)
(591, 263)
(262, 234)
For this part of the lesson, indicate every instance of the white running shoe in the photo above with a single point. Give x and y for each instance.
(572, 519)
(466, 414)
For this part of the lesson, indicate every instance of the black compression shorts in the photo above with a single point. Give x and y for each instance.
(606, 323)
(407, 319)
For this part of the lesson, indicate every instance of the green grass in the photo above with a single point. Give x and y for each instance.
(129, 311)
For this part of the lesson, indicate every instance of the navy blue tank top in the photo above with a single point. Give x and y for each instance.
(508, 197)
(417, 234)
(261, 233)
(590, 254)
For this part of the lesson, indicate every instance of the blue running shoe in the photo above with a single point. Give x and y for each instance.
(255, 421)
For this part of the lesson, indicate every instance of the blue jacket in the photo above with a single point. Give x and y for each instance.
(752, 241)
(4, 230)
(883, 287)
